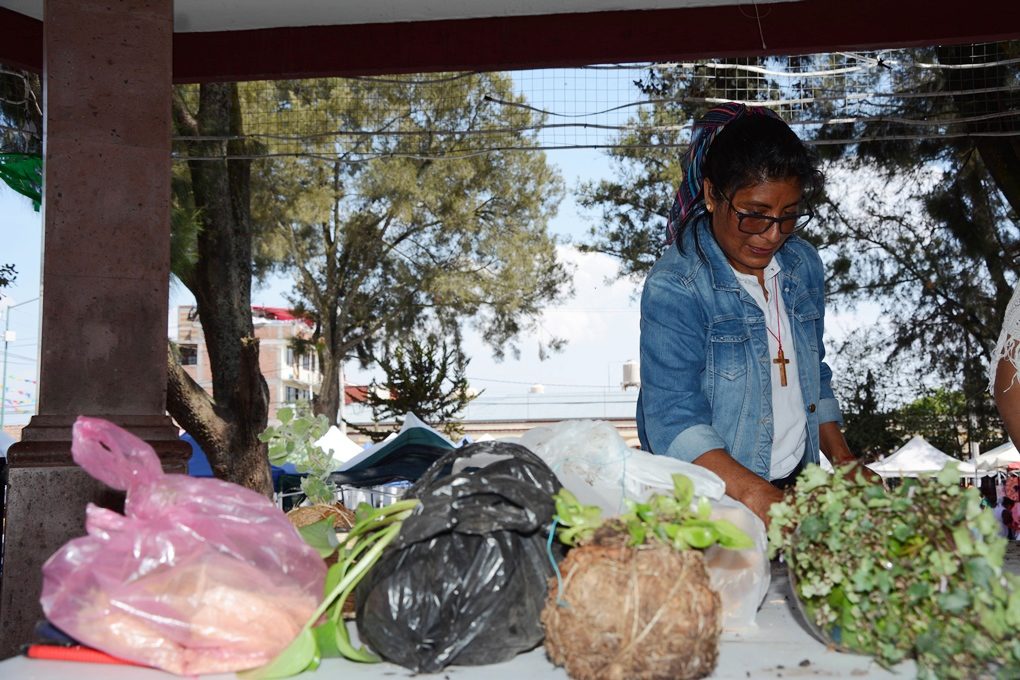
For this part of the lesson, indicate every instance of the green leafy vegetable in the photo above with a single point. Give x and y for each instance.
(667, 519)
(373, 530)
(912, 571)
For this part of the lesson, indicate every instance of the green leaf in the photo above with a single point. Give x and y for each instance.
(949, 475)
(1013, 609)
(812, 527)
(298, 656)
(333, 576)
(697, 536)
(322, 536)
(285, 414)
(683, 489)
(343, 643)
(731, 536)
(954, 602)
(325, 639)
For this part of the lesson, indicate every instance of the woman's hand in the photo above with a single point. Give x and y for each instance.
(760, 498)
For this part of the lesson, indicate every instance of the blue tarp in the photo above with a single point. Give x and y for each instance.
(198, 464)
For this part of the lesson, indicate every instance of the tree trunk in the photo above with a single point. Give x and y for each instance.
(226, 425)
(327, 401)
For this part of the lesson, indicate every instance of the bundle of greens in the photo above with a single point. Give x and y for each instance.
(913, 571)
(293, 441)
(325, 634)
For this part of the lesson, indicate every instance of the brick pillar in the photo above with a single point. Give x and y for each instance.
(106, 214)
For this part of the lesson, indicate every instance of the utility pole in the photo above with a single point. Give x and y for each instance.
(9, 337)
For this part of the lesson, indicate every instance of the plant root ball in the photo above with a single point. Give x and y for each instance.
(645, 613)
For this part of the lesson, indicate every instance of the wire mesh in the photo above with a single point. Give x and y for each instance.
(854, 97)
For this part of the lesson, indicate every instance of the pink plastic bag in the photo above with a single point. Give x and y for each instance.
(197, 576)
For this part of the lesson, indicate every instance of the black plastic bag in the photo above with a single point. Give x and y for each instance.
(465, 581)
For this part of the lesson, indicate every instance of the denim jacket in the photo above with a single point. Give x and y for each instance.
(705, 364)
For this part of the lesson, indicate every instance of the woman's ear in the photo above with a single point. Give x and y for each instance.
(706, 189)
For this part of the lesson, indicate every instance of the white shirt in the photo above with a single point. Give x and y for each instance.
(789, 431)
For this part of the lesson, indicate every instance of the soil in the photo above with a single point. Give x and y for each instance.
(645, 613)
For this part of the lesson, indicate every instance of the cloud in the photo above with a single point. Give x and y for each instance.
(601, 302)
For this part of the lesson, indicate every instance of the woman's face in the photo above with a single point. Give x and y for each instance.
(751, 253)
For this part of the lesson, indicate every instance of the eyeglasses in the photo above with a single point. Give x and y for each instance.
(755, 223)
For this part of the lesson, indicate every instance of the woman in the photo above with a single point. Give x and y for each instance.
(732, 371)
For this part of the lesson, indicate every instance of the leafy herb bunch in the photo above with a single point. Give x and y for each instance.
(914, 571)
(662, 518)
(293, 441)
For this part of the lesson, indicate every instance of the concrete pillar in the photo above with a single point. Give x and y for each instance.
(106, 214)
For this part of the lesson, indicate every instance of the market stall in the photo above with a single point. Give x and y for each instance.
(467, 576)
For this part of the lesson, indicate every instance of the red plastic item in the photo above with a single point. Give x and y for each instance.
(73, 653)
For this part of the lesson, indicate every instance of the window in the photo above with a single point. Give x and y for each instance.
(290, 356)
(189, 355)
(292, 395)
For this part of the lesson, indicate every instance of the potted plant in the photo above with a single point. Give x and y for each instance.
(293, 441)
(632, 599)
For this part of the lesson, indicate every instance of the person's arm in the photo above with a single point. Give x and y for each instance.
(676, 413)
(1007, 397)
(833, 444)
(742, 484)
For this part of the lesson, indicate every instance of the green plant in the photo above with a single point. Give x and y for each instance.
(325, 634)
(663, 518)
(293, 441)
(914, 571)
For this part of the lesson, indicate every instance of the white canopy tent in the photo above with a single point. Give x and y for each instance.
(914, 458)
(339, 444)
(993, 461)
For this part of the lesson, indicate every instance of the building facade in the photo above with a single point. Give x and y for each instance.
(291, 378)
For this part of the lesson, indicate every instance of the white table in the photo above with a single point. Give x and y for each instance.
(776, 649)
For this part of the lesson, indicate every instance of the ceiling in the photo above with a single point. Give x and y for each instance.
(233, 15)
(261, 39)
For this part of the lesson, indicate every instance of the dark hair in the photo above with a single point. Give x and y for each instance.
(755, 149)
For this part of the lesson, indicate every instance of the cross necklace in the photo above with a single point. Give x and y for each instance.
(780, 357)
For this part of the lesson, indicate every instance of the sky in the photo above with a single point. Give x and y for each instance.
(20, 244)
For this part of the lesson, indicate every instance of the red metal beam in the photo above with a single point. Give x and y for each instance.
(21, 41)
(559, 39)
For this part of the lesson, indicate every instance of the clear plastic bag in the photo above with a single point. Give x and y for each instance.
(592, 460)
(197, 576)
(594, 453)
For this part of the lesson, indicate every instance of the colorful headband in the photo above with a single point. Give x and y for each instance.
(688, 196)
